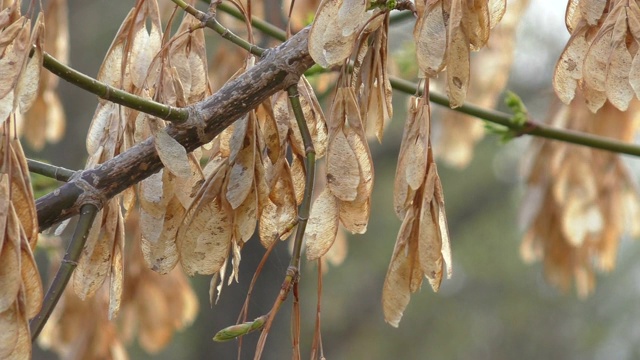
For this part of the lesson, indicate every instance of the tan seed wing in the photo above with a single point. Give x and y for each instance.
(27, 86)
(595, 99)
(280, 211)
(430, 35)
(633, 14)
(172, 154)
(246, 215)
(597, 60)
(5, 205)
(298, 177)
(322, 226)
(204, 239)
(94, 266)
(402, 192)
(10, 259)
(31, 282)
(396, 291)
(111, 71)
(22, 193)
(15, 39)
(184, 187)
(343, 174)
(569, 67)
(457, 66)
(282, 116)
(618, 88)
(145, 44)
(242, 166)
(161, 255)
(417, 148)
(591, 10)
(102, 125)
(572, 15)
(354, 215)
(22, 349)
(9, 333)
(269, 130)
(476, 18)
(116, 279)
(315, 117)
(429, 245)
(153, 202)
(443, 227)
(497, 9)
(333, 32)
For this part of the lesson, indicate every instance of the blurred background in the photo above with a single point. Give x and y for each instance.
(494, 307)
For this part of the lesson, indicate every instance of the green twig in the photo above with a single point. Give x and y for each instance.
(106, 92)
(51, 171)
(310, 165)
(210, 21)
(69, 263)
(293, 271)
(528, 127)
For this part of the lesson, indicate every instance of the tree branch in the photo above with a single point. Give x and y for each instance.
(280, 67)
(106, 92)
(69, 263)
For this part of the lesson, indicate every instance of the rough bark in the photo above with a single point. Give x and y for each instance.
(279, 68)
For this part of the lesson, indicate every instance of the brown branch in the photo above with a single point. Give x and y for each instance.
(279, 68)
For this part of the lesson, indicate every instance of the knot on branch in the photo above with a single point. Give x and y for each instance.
(90, 194)
(197, 121)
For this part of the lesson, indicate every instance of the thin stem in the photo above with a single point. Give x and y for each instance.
(210, 21)
(265, 27)
(106, 92)
(310, 165)
(69, 263)
(314, 70)
(243, 327)
(295, 323)
(50, 171)
(293, 271)
(316, 346)
(529, 128)
(289, 279)
(245, 308)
